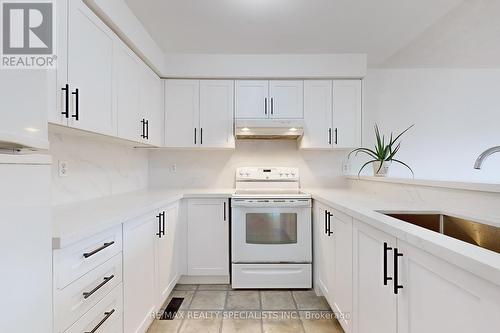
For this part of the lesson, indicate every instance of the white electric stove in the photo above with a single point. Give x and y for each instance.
(271, 230)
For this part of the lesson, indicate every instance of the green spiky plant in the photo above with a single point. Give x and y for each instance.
(383, 152)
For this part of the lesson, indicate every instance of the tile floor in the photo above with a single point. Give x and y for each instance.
(220, 309)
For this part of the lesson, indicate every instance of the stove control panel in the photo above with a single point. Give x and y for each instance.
(267, 174)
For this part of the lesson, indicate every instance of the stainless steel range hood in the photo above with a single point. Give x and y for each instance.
(268, 129)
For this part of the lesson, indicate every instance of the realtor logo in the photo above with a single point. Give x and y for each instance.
(28, 34)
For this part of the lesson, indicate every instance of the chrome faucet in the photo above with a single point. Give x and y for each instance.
(484, 155)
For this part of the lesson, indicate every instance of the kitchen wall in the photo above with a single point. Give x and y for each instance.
(216, 169)
(456, 113)
(96, 168)
(446, 82)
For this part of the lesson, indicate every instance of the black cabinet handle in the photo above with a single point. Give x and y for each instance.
(272, 105)
(159, 217)
(105, 245)
(326, 221)
(336, 136)
(224, 211)
(106, 317)
(163, 223)
(195, 135)
(147, 129)
(65, 113)
(265, 106)
(386, 278)
(397, 286)
(77, 104)
(201, 135)
(143, 122)
(90, 293)
(329, 136)
(330, 224)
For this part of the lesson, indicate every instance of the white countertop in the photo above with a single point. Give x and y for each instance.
(366, 208)
(76, 221)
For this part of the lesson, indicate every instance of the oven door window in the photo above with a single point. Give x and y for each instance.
(271, 228)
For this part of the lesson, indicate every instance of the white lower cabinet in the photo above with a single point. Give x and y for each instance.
(323, 255)
(374, 304)
(208, 237)
(139, 268)
(341, 279)
(105, 316)
(167, 254)
(439, 297)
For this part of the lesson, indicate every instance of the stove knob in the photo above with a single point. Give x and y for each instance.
(241, 173)
(286, 174)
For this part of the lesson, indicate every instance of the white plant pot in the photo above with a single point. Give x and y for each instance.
(381, 171)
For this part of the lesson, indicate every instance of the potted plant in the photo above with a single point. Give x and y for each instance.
(383, 155)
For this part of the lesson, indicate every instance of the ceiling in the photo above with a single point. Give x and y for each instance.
(379, 28)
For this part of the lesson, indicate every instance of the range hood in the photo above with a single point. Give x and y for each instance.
(268, 129)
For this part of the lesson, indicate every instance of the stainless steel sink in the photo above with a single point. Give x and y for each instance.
(479, 234)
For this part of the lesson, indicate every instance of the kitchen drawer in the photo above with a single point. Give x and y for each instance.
(106, 316)
(74, 261)
(272, 276)
(80, 296)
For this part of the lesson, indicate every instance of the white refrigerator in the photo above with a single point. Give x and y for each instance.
(25, 227)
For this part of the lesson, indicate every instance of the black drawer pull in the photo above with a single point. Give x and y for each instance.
(77, 104)
(386, 278)
(90, 293)
(105, 245)
(106, 317)
(397, 286)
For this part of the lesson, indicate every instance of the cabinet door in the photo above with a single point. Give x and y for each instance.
(322, 255)
(126, 87)
(208, 237)
(167, 255)
(139, 264)
(90, 70)
(347, 113)
(287, 99)
(318, 109)
(182, 111)
(251, 99)
(341, 226)
(216, 113)
(374, 304)
(440, 297)
(151, 105)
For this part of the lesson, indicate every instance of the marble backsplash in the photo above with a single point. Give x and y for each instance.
(216, 169)
(97, 167)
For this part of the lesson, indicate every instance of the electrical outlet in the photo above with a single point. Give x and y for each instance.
(63, 168)
(346, 167)
(173, 168)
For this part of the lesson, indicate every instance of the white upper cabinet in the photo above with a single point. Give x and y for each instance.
(280, 99)
(151, 106)
(208, 237)
(347, 113)
(216, 113)
(199, 113)
(318, 106)
(251, 99)
(332, 114)
(90, 71)
(182, 112)
(437, 296)
(127, 81)
(374, 304)
(286, 99)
